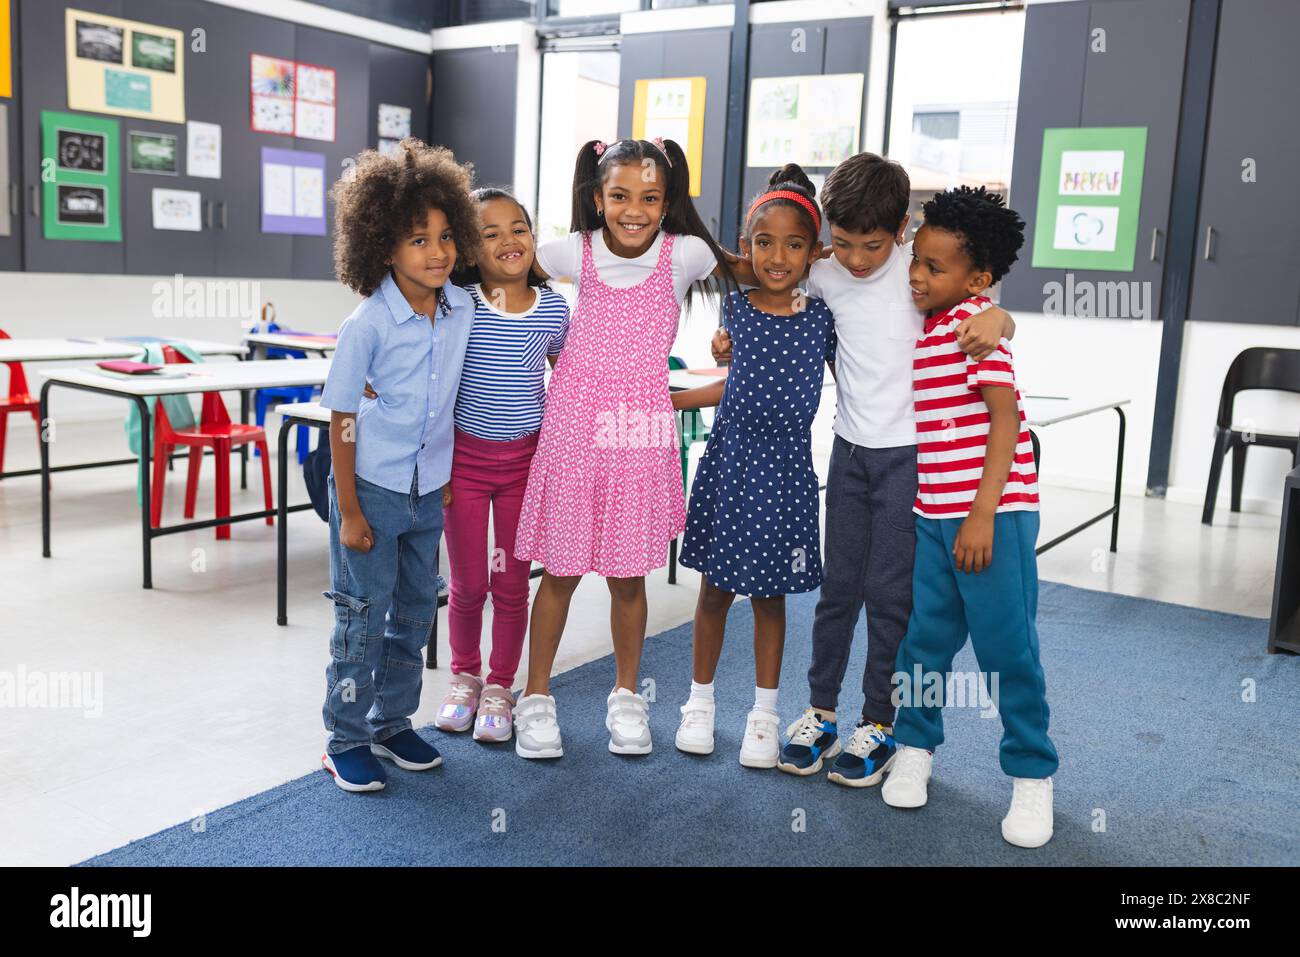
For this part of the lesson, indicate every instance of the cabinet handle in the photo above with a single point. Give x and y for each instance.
(223, 214)
(1155, 242)
(1209, 243)
(35, 192)
(15, 199)
(207, 214)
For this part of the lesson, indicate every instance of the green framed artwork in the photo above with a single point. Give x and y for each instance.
(80, 177)
(1089, 197)
(151, 153)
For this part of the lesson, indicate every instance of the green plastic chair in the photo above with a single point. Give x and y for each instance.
(692, 424)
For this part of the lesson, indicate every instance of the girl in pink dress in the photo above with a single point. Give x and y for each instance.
(604, 490)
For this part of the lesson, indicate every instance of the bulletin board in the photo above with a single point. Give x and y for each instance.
(813, 120)
(81, 179)
(125, 67)
(673, 109)
(1089, 197)
(6, 52)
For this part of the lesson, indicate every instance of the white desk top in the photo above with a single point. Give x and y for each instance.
(46, 350)
(220, 377)
(303, 410)
(1041, 410)
(279, 340)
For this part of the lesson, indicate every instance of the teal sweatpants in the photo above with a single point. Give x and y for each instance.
(997, 608)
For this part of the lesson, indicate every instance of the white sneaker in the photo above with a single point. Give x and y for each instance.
(537, 730)
(1029, 822)
(762, 743)
(628, 722)
(695, 733)
(907, 783)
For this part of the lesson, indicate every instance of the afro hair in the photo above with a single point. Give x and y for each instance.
(990, 232)
(381, 198)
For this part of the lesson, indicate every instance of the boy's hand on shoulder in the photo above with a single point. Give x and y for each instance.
(973, 547)
(369, 392)
(979, 335)
(355, 533)
(446, 495)
(721, 347)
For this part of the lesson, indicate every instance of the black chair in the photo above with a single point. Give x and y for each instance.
(1257, 368)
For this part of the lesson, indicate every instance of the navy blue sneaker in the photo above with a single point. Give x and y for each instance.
(811, 740)
(866, 758)
(408, 751)
(355, 769)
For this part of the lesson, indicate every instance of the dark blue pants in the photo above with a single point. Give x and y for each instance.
(997, 608)
(869, 543)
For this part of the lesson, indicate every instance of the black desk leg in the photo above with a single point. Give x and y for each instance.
(44, 426)
(243, 449)
(431, 649)
(146, 490)
(1119, 478)
(672, 562)
(282, 531)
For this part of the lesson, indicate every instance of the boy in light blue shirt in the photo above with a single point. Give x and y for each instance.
(400, 223)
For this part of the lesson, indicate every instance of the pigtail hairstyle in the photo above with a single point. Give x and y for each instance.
(679, 216)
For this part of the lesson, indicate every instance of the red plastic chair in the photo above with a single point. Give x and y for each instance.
(214, 431)
(18, 400)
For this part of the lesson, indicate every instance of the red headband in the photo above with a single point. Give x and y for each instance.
(803, 201)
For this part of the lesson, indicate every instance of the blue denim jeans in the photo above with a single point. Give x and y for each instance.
(384, 603)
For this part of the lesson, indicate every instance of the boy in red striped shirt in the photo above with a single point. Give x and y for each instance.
(977, 486)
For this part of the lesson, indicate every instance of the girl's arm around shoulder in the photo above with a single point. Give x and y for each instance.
(705, 396)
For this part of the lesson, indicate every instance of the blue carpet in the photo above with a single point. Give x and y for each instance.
(1162, 763)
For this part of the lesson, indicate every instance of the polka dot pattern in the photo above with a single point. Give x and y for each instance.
(604, 490)
(752, 526)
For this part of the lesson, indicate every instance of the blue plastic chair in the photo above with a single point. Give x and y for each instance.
(265, 399)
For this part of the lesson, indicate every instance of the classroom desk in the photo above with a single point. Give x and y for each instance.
(1042, 411)
(95, 349)
(241, 377)
(311, 413)
(259, 342)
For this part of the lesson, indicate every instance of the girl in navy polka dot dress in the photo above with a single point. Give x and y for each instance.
(752, 524)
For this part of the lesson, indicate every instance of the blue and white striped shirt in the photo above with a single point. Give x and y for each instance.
(502, 386)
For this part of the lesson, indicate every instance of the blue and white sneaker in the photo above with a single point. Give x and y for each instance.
(355, 769)
(408, 751)
(811, 740)
(865, 759)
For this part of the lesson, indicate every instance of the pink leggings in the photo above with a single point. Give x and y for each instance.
(486, 472)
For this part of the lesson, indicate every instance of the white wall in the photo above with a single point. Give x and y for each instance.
(1106, 357)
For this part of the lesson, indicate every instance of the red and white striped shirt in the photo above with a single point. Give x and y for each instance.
(952, 421)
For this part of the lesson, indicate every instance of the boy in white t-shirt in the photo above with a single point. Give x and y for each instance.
(870, 539)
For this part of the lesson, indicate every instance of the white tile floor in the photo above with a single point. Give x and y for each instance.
(206, 701)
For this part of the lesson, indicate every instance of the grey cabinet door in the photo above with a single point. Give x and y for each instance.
(44, 86)
(217, 91)
(473, 110)
(706, 53)
(349, 57)
(165, 252)
(823, 46)
(1051, 81)
(11, 246)
(399, 77)
(1138, 81)
(1252, 272)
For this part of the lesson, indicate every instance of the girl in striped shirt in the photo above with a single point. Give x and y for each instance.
(519, 325)
(977, 508)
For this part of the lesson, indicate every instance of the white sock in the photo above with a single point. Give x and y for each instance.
(702, 692)
(765, 699)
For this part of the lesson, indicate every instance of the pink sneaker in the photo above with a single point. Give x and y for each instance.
(495, 715)
(457, 711)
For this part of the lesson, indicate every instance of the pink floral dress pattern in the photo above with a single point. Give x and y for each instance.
(605, 487)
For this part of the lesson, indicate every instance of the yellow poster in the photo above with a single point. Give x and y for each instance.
(6, 72)
(125, 67)
(673, 108)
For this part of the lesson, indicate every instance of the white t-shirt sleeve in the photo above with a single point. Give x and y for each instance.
(813, 285)
(561, 258)
(692, 261)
